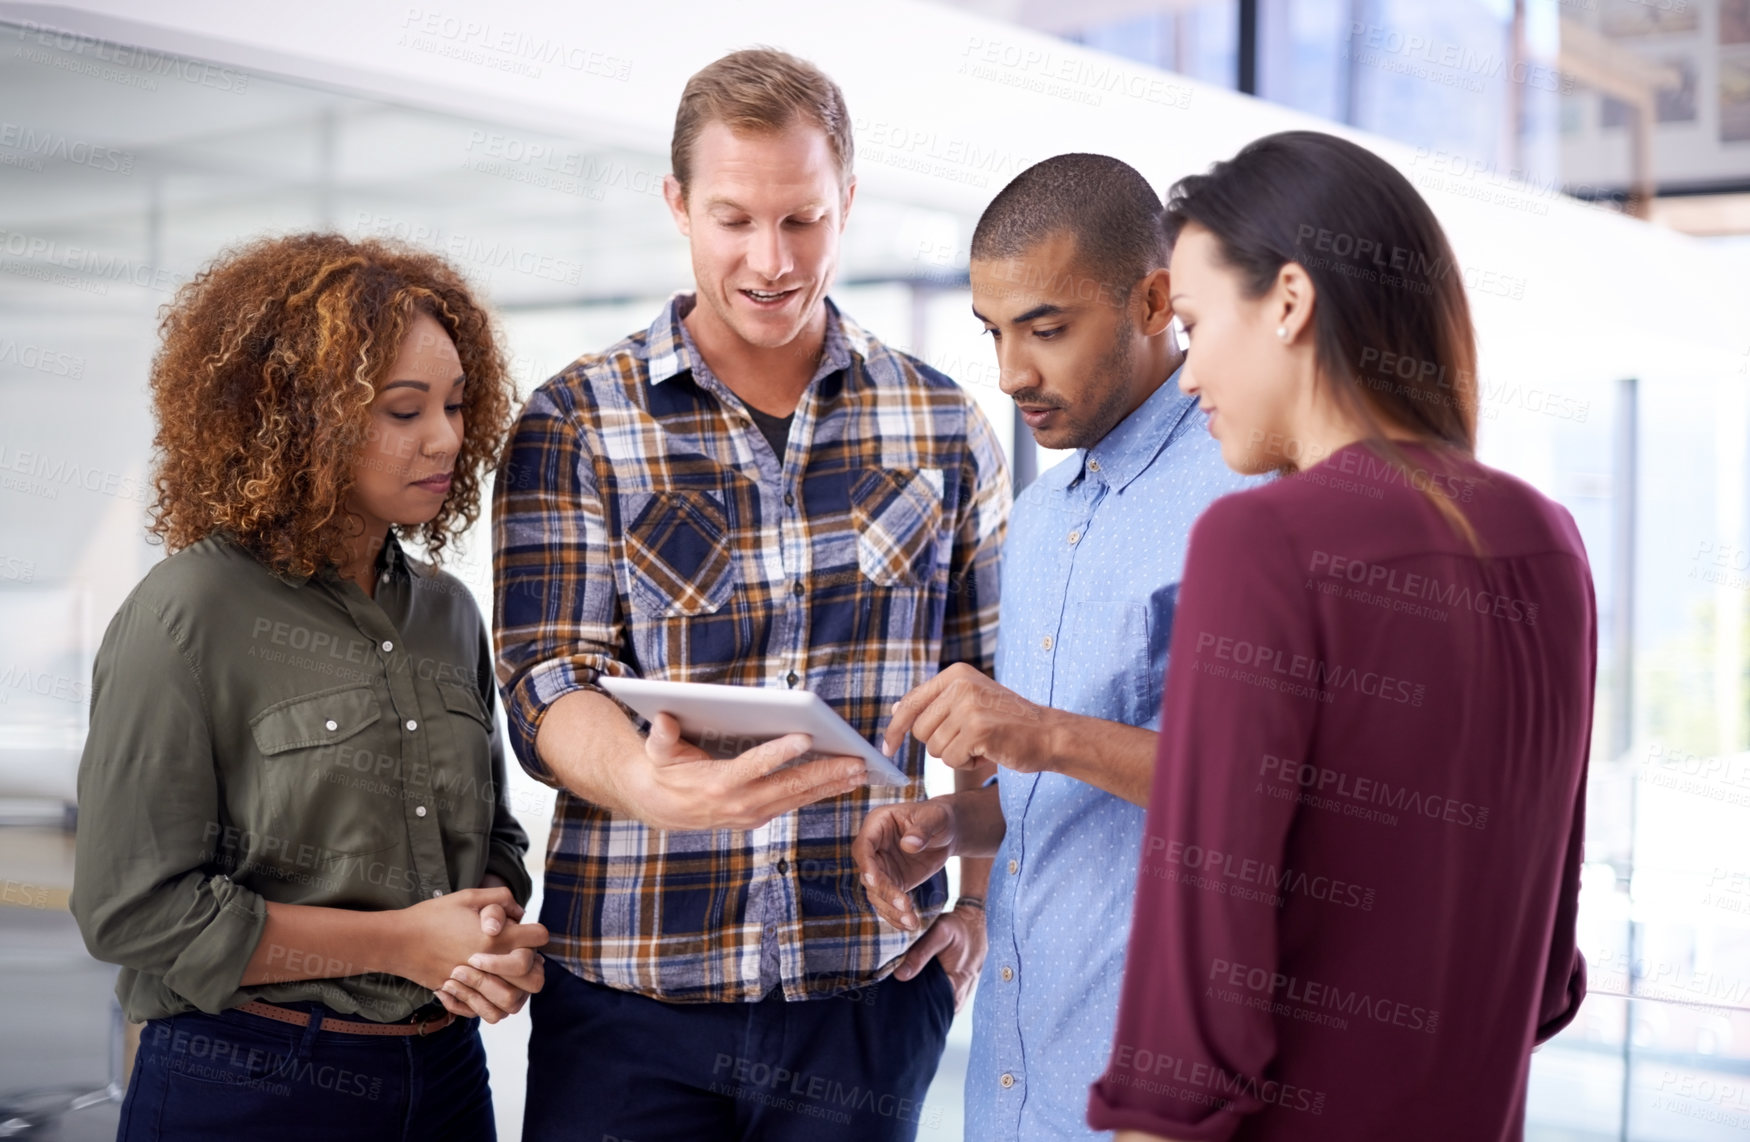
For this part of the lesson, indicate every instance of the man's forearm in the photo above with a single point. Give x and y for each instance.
(585, 739)
(978, 833)
(975, 870)
(1107, 755)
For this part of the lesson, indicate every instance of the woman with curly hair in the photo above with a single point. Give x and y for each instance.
(294, 835)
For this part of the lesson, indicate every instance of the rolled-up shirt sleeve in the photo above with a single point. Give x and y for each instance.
(146, 892)
(555, 609)
(1186, 1065)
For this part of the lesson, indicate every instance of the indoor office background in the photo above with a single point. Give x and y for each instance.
(1591, 159)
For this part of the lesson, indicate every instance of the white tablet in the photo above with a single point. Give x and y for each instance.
(729, 720)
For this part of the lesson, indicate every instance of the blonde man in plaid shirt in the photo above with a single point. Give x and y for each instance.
(751, 491)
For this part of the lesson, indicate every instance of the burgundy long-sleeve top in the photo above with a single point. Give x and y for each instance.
(1355, 911)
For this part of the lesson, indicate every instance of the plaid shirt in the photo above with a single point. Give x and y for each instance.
(642, 526)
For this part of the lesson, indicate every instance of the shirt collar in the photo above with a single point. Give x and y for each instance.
(391, 563)
(1124, 453)
(669, 349)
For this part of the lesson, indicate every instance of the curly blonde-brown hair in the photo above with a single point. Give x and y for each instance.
(262, 387)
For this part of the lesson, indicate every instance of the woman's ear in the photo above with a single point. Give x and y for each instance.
(1291, 302)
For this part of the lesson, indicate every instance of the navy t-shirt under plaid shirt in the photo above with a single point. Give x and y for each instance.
(643, 526)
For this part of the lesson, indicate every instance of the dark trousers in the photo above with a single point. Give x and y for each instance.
(232, 1075)
(611, 1066)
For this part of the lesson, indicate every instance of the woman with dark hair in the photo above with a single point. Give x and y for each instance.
(293, 833)
(1355, 911)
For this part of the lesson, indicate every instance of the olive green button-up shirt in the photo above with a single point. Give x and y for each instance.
(259, 737)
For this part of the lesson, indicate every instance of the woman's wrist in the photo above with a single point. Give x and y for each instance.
(385, 938)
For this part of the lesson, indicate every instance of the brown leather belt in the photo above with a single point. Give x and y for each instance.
(345, 1026)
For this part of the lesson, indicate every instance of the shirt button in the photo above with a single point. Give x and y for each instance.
(1075, 536)
(792, 678)
(420, 812)
(1014, 867)
(1008, 974)
(387, 646)
(783, 865)
(1007, 1080)
(796, 588)
(412, 725)
(436, 892)
(1093, 465)
(1046, 642)
(790, 499)
(332, 724)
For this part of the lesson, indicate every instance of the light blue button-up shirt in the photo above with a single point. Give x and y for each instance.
(1090, 570)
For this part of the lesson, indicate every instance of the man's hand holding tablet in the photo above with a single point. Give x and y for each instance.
(740, 769)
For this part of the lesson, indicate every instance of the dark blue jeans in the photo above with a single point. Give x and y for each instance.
(610, 1066)
(231, 1076)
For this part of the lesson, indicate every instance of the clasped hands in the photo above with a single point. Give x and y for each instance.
(473, 951)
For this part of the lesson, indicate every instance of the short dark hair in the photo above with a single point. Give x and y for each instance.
(1104, 204)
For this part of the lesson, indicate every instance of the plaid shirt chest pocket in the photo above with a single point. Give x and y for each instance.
(897, 513)
(326, 758)
(678, 561)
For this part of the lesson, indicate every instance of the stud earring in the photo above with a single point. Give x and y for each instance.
(1282, 332)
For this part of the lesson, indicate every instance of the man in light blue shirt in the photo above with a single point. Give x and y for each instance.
(1068, 278)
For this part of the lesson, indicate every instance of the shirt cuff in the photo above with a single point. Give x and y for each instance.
(209, 971)
(505, 861)
(527, 701)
